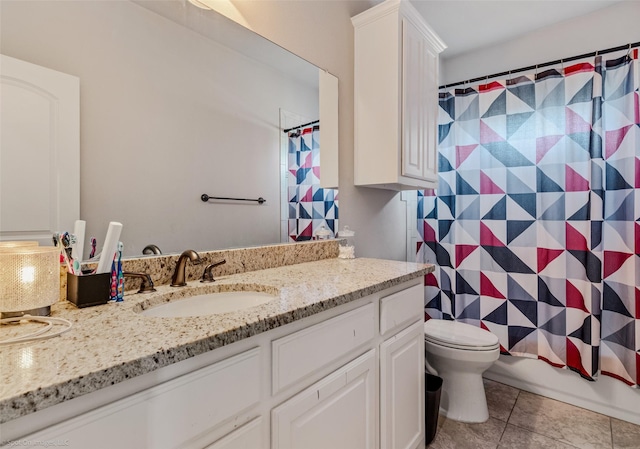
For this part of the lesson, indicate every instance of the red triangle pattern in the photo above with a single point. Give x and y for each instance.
(574, 182)
(577, 68)
(574, 298)
(487, 186)
(546, 256)
(308, 197)
(637, 173)
(637, 303)
(637, 239)
(487, 238)
(431, 280)
(428, 233)
(613, 260)
(308, 232)
(490, 86)
(487, 135)
(308, 161)
(613, 140)
(574, 359)
(316, 171)
(462, 251)
(488, 289)
(574, 123)
(544, 144)
(463, 152)
(575, 240)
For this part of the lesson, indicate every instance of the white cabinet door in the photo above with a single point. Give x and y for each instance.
(419, 104)
(339, 412)
(40, 151)
(402, 389)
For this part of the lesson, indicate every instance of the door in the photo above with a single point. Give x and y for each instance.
(39, 151)
(337, 412)
(402, 389)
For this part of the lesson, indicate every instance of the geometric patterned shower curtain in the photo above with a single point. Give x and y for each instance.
(535, 227)
(309, 206)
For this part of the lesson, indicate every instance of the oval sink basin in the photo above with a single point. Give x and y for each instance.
(209, 304)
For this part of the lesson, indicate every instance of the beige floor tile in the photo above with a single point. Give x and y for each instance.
(625, 434)
(517, 437)
(456, 435)
(500, 399)
(562, 422)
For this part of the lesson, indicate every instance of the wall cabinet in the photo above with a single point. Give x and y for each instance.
(396, 98)
(351, 377)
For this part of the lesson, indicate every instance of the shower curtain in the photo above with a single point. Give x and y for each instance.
(310, 206)
(535, 226)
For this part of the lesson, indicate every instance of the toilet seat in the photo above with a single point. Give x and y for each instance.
(456, 335)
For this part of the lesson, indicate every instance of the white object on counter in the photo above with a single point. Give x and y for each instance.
(110, 247)
(77, 248)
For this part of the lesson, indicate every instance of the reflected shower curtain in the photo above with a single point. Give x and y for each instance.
(535, 227)
(310, 206)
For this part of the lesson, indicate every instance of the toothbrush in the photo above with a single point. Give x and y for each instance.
(120, 274)
(93, 248)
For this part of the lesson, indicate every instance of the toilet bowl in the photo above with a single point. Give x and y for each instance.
(460, 353)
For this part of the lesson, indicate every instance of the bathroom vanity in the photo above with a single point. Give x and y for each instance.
(335, 360)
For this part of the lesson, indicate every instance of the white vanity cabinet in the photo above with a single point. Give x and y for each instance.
(350, 377)
(396, 98)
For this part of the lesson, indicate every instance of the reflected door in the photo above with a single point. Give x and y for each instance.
(39, 151)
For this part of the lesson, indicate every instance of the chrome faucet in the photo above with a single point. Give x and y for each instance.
(178, 279)
(146, 286)
(207, 276)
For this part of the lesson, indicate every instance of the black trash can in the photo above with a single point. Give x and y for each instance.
(433, 388)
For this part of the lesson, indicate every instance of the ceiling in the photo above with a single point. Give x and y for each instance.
(466, 25)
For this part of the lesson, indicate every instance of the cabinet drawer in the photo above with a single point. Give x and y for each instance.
(171, 414)
(400, 309)
(307, 351)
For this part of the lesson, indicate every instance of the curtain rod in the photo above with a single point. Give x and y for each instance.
(546, 64)
(301, 126)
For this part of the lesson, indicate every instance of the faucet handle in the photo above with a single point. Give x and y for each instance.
(146, 286)
(207, 275)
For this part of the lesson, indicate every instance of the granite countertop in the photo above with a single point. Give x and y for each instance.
(113, 342)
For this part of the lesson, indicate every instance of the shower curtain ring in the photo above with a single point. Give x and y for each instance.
(629, 51)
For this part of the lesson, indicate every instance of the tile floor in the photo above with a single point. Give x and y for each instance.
(522, 420)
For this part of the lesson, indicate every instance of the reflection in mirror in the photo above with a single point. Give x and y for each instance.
(175, 102)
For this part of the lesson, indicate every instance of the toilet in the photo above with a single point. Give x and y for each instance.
(459, 353)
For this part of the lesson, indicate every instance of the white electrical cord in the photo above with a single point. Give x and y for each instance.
(40, 334)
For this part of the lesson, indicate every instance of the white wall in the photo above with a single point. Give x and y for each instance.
(166, 115)
(606, 28)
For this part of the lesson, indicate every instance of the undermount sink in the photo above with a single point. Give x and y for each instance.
(209, 304)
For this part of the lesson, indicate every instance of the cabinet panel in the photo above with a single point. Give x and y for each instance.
(402, 389)
(248, 436)
(337, 412)
(414, 107)
(401, 309)
(302, 353)
(170, 414)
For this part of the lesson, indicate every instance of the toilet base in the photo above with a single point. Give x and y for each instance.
(463, 397)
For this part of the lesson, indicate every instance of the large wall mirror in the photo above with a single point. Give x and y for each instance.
(175, 102)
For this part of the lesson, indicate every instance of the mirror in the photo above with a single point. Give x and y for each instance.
(175, 102)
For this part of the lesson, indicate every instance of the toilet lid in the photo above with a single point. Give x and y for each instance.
(455, 334)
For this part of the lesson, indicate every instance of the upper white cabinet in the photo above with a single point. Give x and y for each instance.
(396, 98)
